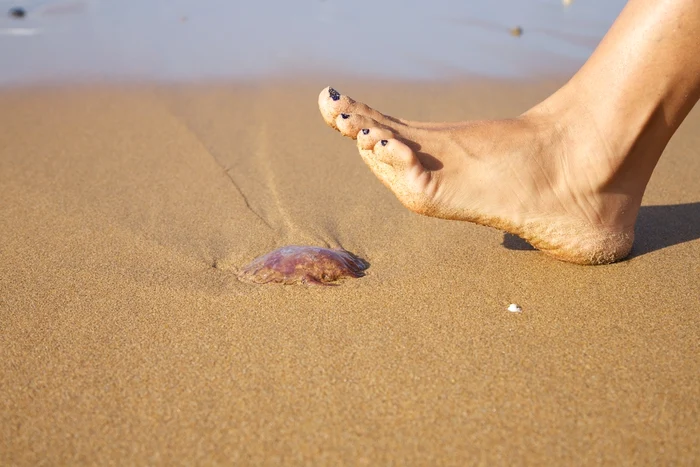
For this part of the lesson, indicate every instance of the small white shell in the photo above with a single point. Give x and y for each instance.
(515, 308)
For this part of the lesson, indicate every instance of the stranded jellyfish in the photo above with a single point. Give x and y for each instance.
(305, 264)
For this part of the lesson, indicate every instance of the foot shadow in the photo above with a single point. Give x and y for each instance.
(513, 242)
(657, 227)
(663, 226)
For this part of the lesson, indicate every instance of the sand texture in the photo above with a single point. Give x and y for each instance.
(126, 339)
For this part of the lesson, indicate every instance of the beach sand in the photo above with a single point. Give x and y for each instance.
(127, 211)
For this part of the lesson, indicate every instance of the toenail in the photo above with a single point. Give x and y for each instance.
(335, 95)
(345, 116)
(365, 131)
(384, 142)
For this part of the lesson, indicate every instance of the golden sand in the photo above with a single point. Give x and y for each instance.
(126, 213)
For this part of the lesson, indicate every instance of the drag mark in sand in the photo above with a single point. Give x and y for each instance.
(240, 192)
(226, 171)
(263, 155)
(308, 265)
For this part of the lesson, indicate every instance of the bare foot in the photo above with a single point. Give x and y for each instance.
(549, 177)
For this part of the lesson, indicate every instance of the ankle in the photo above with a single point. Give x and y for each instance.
(620, 141)
(600, 162)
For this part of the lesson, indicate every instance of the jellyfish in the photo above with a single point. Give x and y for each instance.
(304, 264)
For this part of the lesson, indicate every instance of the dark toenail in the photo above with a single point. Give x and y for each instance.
(365, 131)
(384, 142)
(345, 116)
(335, 95)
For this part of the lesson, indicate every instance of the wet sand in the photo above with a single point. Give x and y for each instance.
(126, 213)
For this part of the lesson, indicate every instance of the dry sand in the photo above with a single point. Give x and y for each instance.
(126, 212)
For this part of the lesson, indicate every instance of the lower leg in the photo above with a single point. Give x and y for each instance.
(639, 84)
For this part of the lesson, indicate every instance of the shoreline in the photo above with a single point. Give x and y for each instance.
(291, 78)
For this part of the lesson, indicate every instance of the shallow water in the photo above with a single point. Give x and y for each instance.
(185, 40)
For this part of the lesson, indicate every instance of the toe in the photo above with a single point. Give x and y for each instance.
(351, 124)
(332, 104)
(398, 167)
(369, 136)
(395, 153)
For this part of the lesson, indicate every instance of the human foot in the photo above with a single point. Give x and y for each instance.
(556, 185)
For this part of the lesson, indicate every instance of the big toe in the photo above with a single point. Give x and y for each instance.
(333, 104)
